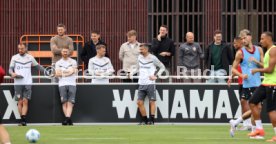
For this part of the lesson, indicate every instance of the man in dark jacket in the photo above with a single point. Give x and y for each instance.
(89, 49)
(218, 58)
(163, 47)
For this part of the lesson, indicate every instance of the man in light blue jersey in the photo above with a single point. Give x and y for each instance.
(249, 57)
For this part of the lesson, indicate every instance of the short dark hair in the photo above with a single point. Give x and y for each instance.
(269, 34)
(145, 45)
(165, 26)
(217, 32)
(61, 25)
(100, 46)
(95, 32)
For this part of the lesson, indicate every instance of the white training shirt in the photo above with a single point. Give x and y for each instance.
(65, 65)
(100, 66)
(22, 66)
(147, 67)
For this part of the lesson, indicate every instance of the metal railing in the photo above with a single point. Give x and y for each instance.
(168, 79)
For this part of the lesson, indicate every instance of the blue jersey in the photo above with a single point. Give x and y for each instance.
(247, 66)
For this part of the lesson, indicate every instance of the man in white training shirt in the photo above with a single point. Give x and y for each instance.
(20, 70)
(146, 66)
(66, 70)
(100, 66)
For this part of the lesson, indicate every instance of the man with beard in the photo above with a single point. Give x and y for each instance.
(66, 70)
(58, 42)
(146, 66)
(20, 70)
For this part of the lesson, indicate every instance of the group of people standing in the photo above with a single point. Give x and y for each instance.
(152, 62)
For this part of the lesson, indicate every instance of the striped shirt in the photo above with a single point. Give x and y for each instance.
(147, 67)
(100, 66)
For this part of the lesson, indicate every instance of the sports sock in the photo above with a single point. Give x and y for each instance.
(247, 122)
(259, 124)
(237, 121)
(145, 119)
(23, 118)
(152, 118)
(253, 128)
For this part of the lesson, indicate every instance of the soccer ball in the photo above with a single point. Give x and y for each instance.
(32, 135)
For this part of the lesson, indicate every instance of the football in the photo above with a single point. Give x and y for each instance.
(32, 135)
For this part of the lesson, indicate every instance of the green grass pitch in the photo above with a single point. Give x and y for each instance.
(134, 134)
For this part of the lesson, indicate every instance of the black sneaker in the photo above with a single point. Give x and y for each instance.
(23, 123)
(151, 123)
(64, 123)
(143, 123)
(70, 122)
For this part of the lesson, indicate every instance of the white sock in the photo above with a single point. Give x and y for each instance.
(259, 124)
(253, 128)
(247, 122)
(274, 130)
(237, 121)
(244, 123)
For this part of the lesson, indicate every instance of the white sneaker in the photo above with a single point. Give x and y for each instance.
(245, 128)
(256, 137)
(232, 127)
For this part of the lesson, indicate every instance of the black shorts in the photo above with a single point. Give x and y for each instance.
(240, 90)
(265, 92)
(247, 93)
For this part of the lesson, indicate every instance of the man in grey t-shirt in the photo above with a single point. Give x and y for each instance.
(57, 43)
(190, 54)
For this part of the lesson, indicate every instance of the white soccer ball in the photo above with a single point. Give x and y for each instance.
(32, 135)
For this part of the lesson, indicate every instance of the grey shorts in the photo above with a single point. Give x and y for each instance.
(147, 90)
(22, 91)
(67, 93)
